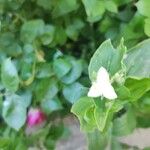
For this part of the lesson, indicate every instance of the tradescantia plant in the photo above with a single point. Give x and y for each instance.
(45, 48)
(105, 114)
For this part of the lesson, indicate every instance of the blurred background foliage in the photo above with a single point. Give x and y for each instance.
(45, 48)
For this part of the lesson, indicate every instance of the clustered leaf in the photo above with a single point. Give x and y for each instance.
(132, 67)
(45, 47)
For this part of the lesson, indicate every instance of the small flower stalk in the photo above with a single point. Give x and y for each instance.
(35, 120)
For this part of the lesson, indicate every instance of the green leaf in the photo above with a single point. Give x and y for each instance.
(10, 45)
(74, 91)
(60, 36)
(74, 73)
(4, 142)
(9, 75)
(14, 50)
(89, 119)
(46, 4)
(14, 5)
(82, 109)
(27, 67)
(44, 70)
(103, 114)
(123, 93)
(63, 7)
(97, 140)
(26, 97)
(120, 2)
(143, 7)
(14, 111)
(94, 9)
(125, 124)
(61, 67)
(137, 60)
(137, 87)
(31, 30)
(107, 56)
(50, 105)
(115, 144)
(48, 34)
(144, 105)
(46, 88)
(21, 146)
(147, 27)
(111, 6)
(73, 29)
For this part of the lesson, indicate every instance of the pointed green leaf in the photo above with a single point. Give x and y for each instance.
(50, 105)
(74, 73)
(74, 91)
(61, 67)
(137, 87)
(107, 56)
(14, 111)
(31, 30)
(63, 7)
(46, 89)
(9, 75)
(82, 109)
(137, 60)
(94, 9)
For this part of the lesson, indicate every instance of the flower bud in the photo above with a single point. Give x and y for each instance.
(35, 117)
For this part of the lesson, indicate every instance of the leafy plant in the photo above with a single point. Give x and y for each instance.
(45, 49)
(112, 117)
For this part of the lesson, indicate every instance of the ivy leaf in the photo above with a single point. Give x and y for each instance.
(143, 7)
(14, 111)
(61, 67)
(137, 61)
(9, 75)
(26, 97)
(74, 29)
(57, 39)
(27, 72)
(74, 91)
(63, 7)
(50, 105)
(31, 29)
(108, 57)
(48, 34)
(74, 73)
(94, 9)
(46, 4)
(46, 88)
(44, 70)
(111, 6)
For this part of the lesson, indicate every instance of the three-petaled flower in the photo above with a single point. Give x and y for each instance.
(102, 86)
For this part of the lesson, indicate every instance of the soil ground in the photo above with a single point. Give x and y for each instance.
(77, 140)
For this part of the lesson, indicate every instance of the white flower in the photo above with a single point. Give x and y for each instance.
(102, 86)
